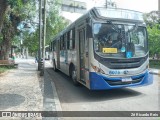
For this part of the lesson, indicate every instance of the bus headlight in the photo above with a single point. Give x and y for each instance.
(97, 69)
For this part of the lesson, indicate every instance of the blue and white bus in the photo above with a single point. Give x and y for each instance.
(106, 48)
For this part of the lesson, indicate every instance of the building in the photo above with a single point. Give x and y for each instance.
(73, 9)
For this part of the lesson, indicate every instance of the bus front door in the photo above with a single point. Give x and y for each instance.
(83, 54)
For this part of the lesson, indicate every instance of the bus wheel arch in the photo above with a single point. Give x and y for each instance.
(73, 74)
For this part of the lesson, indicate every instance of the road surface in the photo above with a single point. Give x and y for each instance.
(73, 98)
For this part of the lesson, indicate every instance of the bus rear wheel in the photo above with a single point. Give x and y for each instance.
(74, 77)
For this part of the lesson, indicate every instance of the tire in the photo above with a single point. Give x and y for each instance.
(74, 77)
(54, 66)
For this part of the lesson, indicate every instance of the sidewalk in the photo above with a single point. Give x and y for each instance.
(22, 89)
(154, 71)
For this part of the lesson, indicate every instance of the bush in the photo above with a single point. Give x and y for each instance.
(154, 64)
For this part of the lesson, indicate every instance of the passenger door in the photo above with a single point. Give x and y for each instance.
(82, 53)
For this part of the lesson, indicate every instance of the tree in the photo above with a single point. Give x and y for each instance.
(153, 26)
(154, 39)
(151, 18)
(18, 11)
(3, 9)
(11, 16)
(54, 24)
(5, 5)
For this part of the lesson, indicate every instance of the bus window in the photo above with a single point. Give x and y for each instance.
(68, 40)
(54, 46)
(62, 42)
(65, 41)
(73, 38)
(50, 46)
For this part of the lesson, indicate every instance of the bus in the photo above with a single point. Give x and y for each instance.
(106, 48)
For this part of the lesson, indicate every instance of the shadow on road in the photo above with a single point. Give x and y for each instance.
(68, 93)
(10, 100)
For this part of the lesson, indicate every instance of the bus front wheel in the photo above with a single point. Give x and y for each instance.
(74, 77)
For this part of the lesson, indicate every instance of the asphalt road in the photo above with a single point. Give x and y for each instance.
(73, 98)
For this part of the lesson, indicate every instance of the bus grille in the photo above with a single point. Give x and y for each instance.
(119, 82)
(113, 63)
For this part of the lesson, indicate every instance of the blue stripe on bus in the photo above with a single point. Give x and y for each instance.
(99, 82)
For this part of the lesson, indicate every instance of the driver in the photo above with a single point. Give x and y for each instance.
(118, 43)
(109, 42)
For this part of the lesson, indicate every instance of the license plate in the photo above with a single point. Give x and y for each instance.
(128, 79)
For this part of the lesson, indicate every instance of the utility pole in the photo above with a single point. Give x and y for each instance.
(40, 36)
(44, 38)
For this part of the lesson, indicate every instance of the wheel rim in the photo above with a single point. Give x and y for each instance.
(74, 75)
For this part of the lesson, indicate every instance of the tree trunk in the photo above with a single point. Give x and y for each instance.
(7, 50)
(8, 34)
(3, 9)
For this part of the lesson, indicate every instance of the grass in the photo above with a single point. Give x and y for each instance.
(154, 64)
(5, 68)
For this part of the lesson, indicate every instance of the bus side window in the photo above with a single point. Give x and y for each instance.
(73, 38)
(54, 46)
(65, 41)
(70, 38)
(50, 46)
(61, 43)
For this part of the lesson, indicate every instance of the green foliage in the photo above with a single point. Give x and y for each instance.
(153, 26)
(31, 41)
(154, 39)
(14, 3)
(17, 3)
(5, 68)
(55, 22)
(1, 38)
(154, 64)
(25, 10)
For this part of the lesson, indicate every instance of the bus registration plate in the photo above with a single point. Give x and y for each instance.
(127, 79)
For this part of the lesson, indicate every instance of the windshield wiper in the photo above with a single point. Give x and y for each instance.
(115, 28)
(119, 31)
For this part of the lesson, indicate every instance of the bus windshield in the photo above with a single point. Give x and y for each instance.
(119, 40)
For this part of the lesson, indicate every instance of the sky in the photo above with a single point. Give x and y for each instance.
(144, 6)
(138, 5)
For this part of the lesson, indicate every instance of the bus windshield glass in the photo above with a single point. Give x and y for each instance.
(119, 40)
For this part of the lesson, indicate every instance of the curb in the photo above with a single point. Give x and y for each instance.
(58, 107)
(154, 71)
(56, 98)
